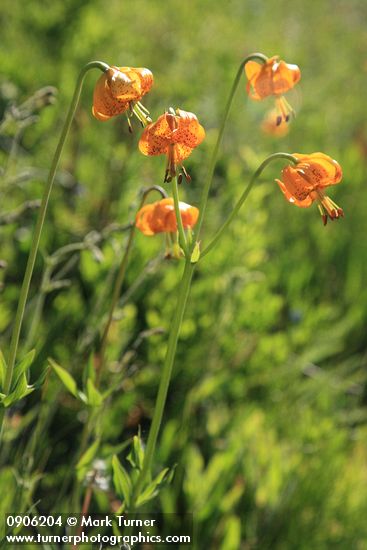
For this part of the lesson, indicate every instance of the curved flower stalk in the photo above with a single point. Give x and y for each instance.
(174, 134)
(18, 321)
(119, 90)
(205, 193)
(273, 78)
(306, 182)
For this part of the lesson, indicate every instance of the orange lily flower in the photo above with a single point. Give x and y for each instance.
(119, 90)
(305, 183)
(160, 217)
(174, 134)
(272, 78)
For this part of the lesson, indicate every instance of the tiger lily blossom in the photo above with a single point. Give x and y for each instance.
(119, 90)
(305, 183)
(174, 134)
(160, 217)
(274, 77)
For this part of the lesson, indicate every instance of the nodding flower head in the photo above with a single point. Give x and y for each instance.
(305, 183)
(160, 217)
(174, 134)
(119, 90)
(272, 78)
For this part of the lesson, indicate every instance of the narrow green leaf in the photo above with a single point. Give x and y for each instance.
(21, 390)
(2, 369)
(40, 380)
(109, 450)
(121, 480)
(152, 489)
(65, 378)
(136, 455)
(89, 371)
(23, 366)
(88, 456)
(95, 398)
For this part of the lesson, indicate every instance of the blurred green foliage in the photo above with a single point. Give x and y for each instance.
(266, 414)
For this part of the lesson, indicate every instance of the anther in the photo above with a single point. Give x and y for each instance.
(167, 177)
(129, 125)
(187, 175)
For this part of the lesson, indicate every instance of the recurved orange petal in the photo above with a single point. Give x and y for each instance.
(189, 132)
(125, 84)
(104, 105)
(284, 77)
(144, 218)
(155, 138)
(129, 83)
(304, 203)
(146, 79)
(319, 168)
(161, 213)
(189, 214)
(181, 152)
(263, 83)
(296, 184)
(252, 69)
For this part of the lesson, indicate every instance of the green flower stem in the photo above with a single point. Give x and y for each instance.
(181, 231)
(208, 182)
(120, 279)
(243, 197)
(39, 225)
(183, 293)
